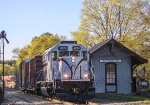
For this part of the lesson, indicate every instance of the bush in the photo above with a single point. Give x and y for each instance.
(122, 97)
(145, 92)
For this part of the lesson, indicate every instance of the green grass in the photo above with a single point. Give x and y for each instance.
(123, 98)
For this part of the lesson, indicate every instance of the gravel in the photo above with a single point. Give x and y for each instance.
(13, 97)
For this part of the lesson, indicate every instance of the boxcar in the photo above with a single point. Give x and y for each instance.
(28, 70)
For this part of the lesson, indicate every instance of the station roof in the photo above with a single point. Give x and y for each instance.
(137, 59)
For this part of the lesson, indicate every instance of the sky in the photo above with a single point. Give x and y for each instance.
(24, 19)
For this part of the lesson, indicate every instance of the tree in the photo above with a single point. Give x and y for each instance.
(144, 12)
(109, 18)
(37, 46)
(15, 51)
(41, 43)
(9, 70)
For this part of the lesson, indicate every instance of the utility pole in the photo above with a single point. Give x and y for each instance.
(3, 36)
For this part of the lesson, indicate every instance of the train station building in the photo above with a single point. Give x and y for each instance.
(113, 67)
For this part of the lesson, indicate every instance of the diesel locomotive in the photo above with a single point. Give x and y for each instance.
(63, 68)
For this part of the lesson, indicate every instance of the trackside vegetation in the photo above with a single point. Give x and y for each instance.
(124, 98)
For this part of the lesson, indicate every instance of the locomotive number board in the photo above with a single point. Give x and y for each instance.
(63, 48)
(76, 47)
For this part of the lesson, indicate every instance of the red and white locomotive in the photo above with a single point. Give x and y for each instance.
(65, 69)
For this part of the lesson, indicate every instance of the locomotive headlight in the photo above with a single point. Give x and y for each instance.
(73, 59)
(65, 75)
(85, 76)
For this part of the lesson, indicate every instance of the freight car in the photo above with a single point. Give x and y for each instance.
(28, 70)
(66, 69)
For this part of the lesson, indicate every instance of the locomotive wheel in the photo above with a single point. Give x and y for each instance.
(53, 93)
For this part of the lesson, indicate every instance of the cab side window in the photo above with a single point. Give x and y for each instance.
(84, 54)
(54, 55)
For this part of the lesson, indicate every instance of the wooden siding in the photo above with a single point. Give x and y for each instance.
(123, 68)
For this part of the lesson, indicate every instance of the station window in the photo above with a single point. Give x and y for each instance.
(110, 73)
(74, 53)
(63, 53)
(54, 55)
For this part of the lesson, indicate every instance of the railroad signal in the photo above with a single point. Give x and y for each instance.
(2, 37)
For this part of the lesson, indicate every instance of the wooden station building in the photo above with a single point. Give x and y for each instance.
(113, 67)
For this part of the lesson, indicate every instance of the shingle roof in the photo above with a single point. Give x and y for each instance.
(99, 45)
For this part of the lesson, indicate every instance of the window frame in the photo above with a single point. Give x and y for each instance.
(74, 51)
(54, 58)
(65, 51)
(86, 54)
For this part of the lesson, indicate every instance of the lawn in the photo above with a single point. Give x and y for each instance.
(124, 98)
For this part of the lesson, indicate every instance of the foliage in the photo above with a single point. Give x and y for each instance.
(15, 51)
(37, 46)
(9, 62)
(84, 38)
(8, 70)
(104, 19)
(9, 67)
(109, 18)
(148, 71)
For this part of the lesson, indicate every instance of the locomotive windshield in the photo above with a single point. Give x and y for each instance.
(74, 53)
(63, 53)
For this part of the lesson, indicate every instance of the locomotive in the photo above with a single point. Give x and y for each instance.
(64, 68)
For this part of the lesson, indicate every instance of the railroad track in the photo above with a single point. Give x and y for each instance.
(13, 97)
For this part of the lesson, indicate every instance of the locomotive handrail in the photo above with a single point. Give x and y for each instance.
(92, 73)
(38, 75)
(39, 71)
(55, 77)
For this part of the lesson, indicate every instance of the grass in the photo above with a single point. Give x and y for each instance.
(124, 98)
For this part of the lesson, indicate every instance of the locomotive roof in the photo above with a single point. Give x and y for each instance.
(63, 42)
(27, 60)
(68, 42)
